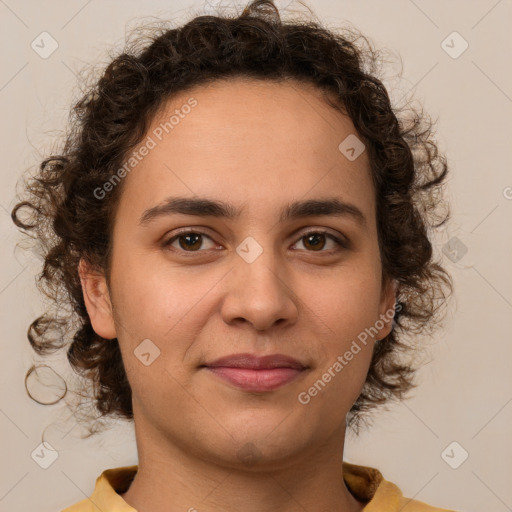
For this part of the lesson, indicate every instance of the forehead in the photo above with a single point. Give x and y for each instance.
(248, 141)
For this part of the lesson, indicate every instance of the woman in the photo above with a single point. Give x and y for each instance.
(242, 224)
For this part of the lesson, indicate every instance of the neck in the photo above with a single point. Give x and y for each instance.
(173, 478)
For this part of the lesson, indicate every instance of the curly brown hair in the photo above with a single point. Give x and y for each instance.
(70, 222)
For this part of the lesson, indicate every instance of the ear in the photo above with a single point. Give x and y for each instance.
(387, 308)
(97, 300)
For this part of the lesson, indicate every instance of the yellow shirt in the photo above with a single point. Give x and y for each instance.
(365, 483)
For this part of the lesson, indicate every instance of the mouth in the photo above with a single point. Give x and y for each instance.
(257, 374)
(256, 380)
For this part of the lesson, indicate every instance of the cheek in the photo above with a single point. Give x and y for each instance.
(166, 307)
(345, 311)
(344, 353)
(150, 302)
(348, 300)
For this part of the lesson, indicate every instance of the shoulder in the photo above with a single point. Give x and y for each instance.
(368, 485)
(388, 496)
(82, 506)
(105, 496)
(410, 505)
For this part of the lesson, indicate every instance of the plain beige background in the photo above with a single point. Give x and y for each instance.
(465, 392)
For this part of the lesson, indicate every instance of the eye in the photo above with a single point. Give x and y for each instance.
(316, 240)
(191, 241)
(188, 241)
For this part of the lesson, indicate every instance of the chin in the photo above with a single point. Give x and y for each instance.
(257, 446)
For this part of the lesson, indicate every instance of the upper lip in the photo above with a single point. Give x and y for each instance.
(257, 362)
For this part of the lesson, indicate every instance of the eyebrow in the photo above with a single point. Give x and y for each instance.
(204, 207)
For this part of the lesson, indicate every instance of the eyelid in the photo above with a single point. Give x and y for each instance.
(343, 243)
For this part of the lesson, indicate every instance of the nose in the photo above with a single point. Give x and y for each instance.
(260, 292)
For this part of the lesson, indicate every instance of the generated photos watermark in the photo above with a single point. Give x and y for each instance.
(304, 397)
(143, 149)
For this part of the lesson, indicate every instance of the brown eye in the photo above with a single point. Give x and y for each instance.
(192, 241)
(189, 241)
(315, 241)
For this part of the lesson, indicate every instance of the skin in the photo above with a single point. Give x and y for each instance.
(258, 145)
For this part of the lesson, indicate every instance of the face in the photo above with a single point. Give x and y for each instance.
(190, 286)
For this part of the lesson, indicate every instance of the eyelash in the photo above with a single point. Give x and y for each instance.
(342, 244)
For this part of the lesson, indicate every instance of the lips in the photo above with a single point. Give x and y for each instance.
(255, 373)
(256, 362)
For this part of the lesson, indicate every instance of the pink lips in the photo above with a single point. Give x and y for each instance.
(254, 373)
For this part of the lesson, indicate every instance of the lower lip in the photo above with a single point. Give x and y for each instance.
(256, 380)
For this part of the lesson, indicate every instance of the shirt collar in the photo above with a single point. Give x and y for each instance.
(365, 483)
